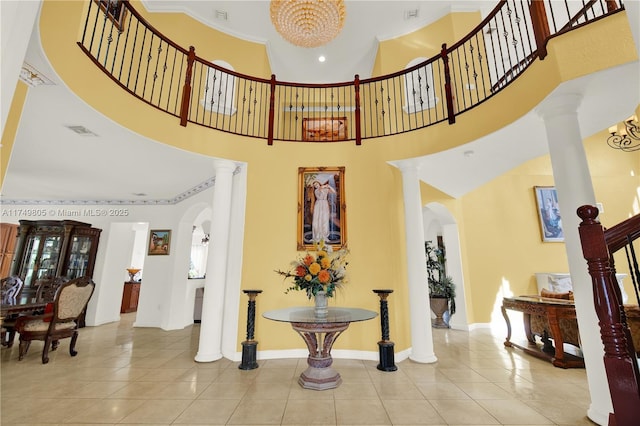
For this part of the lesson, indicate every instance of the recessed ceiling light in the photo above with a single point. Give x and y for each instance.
(321, 58)
(469, 153)
(139, 194)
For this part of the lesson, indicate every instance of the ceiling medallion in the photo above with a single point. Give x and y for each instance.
(308, 23)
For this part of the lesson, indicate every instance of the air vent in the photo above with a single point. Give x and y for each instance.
(411, 14)
(81, 130)
(221, 15)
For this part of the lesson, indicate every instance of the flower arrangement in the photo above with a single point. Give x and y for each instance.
(324, 270)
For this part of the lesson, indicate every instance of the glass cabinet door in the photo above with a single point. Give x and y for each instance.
(29, 262)
(78, 259)
(49, 258)
(40, 261)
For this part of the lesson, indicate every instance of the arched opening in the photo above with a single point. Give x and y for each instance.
(441, 228)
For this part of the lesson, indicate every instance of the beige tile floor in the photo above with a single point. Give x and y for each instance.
(126, 375)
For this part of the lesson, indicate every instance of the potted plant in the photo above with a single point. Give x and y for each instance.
(442, 289)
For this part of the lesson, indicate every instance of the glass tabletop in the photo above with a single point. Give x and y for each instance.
(307, 314)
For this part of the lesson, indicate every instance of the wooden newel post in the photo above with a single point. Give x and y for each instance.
(385, 346)
(186, 89)
(356, 88)
(540, 26)
(272, 109)
(448, 92)
(249, 346)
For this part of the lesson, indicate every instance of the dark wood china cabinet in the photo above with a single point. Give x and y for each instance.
(52, 248)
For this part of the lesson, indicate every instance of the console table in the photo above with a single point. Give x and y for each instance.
(555, 311)
(319, 333)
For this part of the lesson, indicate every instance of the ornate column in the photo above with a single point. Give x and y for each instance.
(385, 346)
(421, 335)
(210, 345)
(249, 346)
(573, 184)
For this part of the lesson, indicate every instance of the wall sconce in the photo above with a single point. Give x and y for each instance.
(625, 136)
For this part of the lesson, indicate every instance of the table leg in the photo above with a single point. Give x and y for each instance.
(319, 338)
(556, 333)
(507, 342)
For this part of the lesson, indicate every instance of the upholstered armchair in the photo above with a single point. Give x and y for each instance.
(11, 289)
(70, 301)
(46, 289)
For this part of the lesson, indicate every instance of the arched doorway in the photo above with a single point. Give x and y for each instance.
(441, 228)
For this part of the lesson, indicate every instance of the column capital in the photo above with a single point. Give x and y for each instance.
(559, 104)
(222, 165)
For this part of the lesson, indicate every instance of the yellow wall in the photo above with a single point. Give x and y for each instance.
(492, 253)
(11, 127)
(375, 224)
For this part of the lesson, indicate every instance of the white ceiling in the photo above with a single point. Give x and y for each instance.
(50, 163)
(352, 52)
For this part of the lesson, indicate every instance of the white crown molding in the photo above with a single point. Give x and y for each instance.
(161, 202)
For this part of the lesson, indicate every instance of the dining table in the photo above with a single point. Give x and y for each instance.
(21, 308)
(13, 310)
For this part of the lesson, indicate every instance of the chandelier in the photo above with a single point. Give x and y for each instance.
(308, 23)
(625, 137)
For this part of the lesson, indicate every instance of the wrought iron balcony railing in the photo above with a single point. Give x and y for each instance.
(175, 80)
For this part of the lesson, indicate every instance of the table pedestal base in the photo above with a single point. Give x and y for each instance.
(319, 338)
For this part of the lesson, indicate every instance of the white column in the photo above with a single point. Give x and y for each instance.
(210, 344)
(420, 313)
(574, 186)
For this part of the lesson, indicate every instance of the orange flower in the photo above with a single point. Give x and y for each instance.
(324, 276)
(301, 271)
(325, 262)
(308, 260)
(314, 268)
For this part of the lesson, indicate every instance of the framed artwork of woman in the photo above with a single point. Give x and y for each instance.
(321, 207)
(549, 214)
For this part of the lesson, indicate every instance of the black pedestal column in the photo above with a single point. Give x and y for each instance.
(385, 346)
(249, 346)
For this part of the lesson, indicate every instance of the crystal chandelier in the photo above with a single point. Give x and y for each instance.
(627, 136)
(308, 23)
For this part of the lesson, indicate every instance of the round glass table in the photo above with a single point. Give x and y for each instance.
(319, 333)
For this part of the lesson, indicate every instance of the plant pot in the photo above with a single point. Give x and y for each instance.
(439, 305)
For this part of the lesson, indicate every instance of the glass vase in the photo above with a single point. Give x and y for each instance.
(321, 304)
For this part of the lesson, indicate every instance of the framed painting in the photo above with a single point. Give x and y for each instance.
(549, 214)
(321, 207)
(159, 242)
(324, 129)
(115, 11)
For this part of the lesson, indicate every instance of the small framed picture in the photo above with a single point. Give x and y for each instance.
(324, 129)
(549, 214)
(321, 207)
(115, 11)
(159, 242)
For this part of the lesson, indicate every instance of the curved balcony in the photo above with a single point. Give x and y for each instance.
(175, 80)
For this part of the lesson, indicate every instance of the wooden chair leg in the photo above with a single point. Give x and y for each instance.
(72, 345)
(45, 351)
(24, 347)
